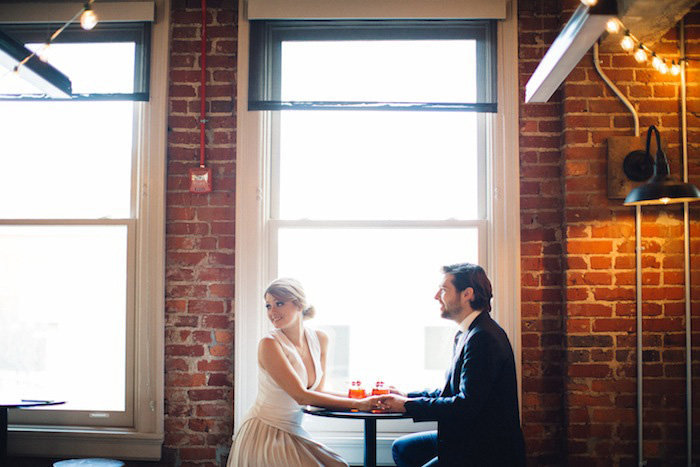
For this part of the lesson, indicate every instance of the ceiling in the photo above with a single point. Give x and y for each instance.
(649, 20)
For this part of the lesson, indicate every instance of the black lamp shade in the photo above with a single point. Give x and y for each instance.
(666, 191)
(661, 188)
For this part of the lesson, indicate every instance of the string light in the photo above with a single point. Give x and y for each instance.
(640, 55)
(589, 3)
(613, 26)
(641, 52)
(44, 52)
(675, 68)
(88, 19)
(627, 43)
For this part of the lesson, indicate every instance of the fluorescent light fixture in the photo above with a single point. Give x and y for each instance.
(580, 33)
(42, 75)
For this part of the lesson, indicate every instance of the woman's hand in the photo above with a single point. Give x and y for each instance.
(368, 404)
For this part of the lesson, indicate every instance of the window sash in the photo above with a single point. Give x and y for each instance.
(266, 37)
(57, 416)
(137, 32)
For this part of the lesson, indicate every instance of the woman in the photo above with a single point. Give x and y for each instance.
(292, 362)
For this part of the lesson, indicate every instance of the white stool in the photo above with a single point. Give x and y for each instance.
(94, 462)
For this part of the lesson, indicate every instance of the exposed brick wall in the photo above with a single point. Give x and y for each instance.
(542, 263)
(598, 262)
(200, 239)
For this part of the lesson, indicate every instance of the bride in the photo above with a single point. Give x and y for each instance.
(292, 363)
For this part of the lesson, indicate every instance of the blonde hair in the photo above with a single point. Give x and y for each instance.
(286, 288)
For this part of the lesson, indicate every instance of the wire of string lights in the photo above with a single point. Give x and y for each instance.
(88, 20)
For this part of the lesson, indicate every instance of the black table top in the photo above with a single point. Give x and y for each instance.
(321, 412)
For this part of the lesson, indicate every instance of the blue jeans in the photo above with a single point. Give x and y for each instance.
(416, 450)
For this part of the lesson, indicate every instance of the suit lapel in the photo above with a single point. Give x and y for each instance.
(448, 390)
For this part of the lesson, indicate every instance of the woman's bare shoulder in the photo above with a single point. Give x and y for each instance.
(322, 338)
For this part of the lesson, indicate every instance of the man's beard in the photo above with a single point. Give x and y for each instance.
(449, 312)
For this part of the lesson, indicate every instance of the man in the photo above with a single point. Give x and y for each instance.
(477, 410)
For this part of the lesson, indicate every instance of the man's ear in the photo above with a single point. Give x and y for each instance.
(468, 294)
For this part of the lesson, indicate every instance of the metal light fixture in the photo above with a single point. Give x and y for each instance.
(40, 74)
(661, 188)
(580, 33)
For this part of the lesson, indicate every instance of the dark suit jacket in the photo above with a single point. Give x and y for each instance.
(477, 411)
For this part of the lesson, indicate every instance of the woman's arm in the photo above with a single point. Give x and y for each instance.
(274, 361)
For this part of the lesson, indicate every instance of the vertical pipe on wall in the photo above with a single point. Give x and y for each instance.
(638, 268)
(615, 89)
(638, 249)
(686, 257)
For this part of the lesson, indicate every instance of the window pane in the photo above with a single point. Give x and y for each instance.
(378, 165)
(92, 68)
(62, 315)
(373, 290)
(66, 159)
(382, 71)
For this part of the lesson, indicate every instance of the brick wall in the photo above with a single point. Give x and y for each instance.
(581, 304)
(542, 260)
(200, 239)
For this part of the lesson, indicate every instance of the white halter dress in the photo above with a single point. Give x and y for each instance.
(271, 434)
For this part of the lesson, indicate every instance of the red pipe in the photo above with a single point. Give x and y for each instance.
(203, 86)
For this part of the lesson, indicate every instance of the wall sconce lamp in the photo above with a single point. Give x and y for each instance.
(661, 188)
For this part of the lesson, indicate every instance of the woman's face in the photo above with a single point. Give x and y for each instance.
(281, 313)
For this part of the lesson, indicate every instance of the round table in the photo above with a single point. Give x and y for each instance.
(5, 405)
(370, 419)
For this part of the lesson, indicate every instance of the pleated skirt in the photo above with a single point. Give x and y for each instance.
(258, 444)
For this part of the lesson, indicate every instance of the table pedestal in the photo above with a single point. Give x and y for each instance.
(3, 436)
(370, 442)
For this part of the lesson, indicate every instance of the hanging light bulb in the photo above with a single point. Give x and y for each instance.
(88, 19)
(656, 61)
(613, 26)
(627, 43)
(640, 55)
(44, 52)
(589, 2)
(675, 68)
(663, 68)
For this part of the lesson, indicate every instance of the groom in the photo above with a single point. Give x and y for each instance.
(477, 410)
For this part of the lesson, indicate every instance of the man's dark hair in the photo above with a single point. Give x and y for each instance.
(472, 275)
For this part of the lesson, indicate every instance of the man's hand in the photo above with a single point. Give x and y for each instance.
(394, 390)
(392, 403)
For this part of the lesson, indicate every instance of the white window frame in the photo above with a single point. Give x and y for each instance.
(253, 233)
(141, 436)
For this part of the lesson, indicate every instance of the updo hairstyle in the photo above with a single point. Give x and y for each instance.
(285, 289)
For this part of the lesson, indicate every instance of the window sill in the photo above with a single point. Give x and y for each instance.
(84, 442)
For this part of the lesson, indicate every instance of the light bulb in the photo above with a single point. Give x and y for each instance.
(44, 52)
(88, 19)
(627, 43)
(663, 68)
(656, 62)
(640, 55)
(589, 2)
(665, 200)
(675, 69)
(613, 25)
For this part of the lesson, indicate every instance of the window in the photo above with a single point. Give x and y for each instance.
(82, 303)
(364, 206)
